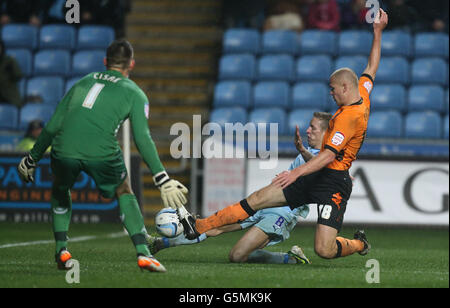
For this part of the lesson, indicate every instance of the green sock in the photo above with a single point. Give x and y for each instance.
(133, 221)
(61, 207)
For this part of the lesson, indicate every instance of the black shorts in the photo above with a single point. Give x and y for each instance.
(329, 189)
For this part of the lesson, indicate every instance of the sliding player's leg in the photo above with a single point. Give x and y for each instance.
(65, 173)
(269, 196)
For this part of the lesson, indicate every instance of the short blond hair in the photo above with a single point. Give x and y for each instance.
(345, 74)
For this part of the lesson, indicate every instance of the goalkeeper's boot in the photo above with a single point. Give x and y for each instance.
(189, 228)
(150, 264)
(154, 244)
(360, 235)
(62, 259)
(297, 253)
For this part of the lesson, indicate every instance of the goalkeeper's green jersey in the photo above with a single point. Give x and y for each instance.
(86, 121)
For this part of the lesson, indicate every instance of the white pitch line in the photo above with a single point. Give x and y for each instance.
(75, 239)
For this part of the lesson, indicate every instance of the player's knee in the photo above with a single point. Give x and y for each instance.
(124, 188)
(237, 256)
(324, 251)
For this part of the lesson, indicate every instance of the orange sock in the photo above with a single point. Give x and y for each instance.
(229, 215)
(348, 247)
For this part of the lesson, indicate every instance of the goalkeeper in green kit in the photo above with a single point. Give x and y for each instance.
(82, 133)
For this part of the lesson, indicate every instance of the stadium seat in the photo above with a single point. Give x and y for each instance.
(301, 117)
(22, 85)
(239, 66)
(233, 93)
(57, 36)
(430, 45)
(426, 97)
(276, 67)
(70, 83)
(314, 68)
(393, 70)
(20, 36)
(24, 59)
(9, 117)
(8, 143)
(88, 61)
(318, 42)
(445, 128)
(429, 71)
(269, 115)
(271, 94)
(52, 62)
(446, 101)
(241, 41)
(385, 124)
(354, 42)
(280, 41)
(423, 125)
(49, 89)
(228, 115)
(356, 63)
(396, 43)
(95, 37)
(310, 95)
(388, 97)
(31, 112)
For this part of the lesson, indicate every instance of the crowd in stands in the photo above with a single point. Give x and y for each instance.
(411, 15)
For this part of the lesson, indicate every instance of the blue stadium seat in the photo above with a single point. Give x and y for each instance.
(385, 124)
(396, 43)
(22, 85)
(24, 58)
(20, 36)
(356, 63)
(310, 95)
(423, 125)
(233, 93)
(446, 101)
(271, 94)
(269, 115)
(70, 83)
(429, 71)
(9, 117)
(388, 97)
(314, 68)
(426, 97)
(228, 115)
(49, 89)
(445, 128)
(31, 112)
(241, 41)
(280, 41)
(8, 143)
(318, 42)
(354, 42)
(57, 36)
(239, 66)
(430, 45)
(87, 61)
(52, 62)
(95, 37)
(276, 67)
(301, 117)
(393, 70)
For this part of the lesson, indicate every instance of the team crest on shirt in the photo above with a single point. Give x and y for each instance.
(147, 110)
(338, 138)
(368, 86)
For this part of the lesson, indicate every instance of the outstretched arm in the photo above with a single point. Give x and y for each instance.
(374, 58)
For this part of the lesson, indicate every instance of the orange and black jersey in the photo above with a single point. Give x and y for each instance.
(347, 128)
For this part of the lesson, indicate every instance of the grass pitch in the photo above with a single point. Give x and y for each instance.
(406, 258)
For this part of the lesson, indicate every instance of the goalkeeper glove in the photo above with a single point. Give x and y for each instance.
(172, 192)
(26, 169)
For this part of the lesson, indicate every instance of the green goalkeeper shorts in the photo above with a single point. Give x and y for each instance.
(108, 175)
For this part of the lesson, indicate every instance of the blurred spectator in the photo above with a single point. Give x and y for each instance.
(10, 74)
(402, 15)
(33, 131)
(243, 13)
(433, 14)
(353, 14)
(324, 15)
(33, 12)
(284, 15)
(106, 12)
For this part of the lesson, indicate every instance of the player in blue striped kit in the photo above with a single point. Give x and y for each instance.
(268, 226)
